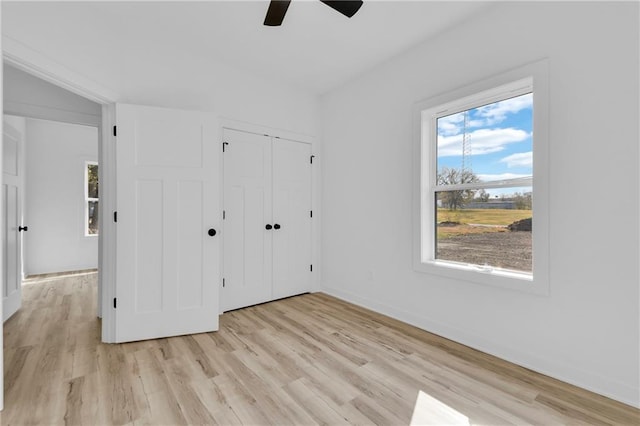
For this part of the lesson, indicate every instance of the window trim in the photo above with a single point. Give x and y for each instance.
(529, 78)
(88, 199)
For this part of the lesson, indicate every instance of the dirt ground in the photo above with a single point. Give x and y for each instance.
(509, 250)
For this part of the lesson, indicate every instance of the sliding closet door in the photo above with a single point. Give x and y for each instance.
(292, 215)
(247, 207)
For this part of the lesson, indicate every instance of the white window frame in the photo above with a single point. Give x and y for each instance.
(88, 199)
(529, 78)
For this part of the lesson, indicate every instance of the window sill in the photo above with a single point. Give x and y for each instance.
(494, 277)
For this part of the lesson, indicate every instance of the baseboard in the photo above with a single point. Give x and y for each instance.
(592, 382)
(69, 272)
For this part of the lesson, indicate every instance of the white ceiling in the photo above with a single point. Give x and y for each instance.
(315, 49)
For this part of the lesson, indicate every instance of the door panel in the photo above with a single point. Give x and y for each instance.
(149, 247)
(167, 197)
(247, 201)
(12, 187)
(291, 210)
(12, 282)
(190, 244)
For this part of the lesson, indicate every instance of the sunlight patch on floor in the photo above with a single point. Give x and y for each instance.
(430, 411)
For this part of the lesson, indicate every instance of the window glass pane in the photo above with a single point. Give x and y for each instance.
(92, 180)
(489, 143)
(92, 219)
(486, 227)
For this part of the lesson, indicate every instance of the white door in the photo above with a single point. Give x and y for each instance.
(292, 217)
(12, 187)
(247, 209)
(168, 220)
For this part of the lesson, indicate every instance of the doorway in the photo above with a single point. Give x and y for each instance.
(50, 194)
(57, 124)
(61, 197)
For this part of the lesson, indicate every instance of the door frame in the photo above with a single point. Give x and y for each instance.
(40, 66)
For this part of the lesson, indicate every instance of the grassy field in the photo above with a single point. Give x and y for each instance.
(497, 219)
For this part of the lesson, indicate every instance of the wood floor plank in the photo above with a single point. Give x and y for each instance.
(306, 360)
(163, 408)
(239, 399)
(375, 413)
(180, 377)
(317, 408)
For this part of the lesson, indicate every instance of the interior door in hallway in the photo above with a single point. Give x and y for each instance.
(248, 229)
(168, 242)
(12, 193)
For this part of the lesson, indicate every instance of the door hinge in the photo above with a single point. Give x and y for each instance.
(224, 146)
(311, 268)
(223, 283)
(115, 216)
(115, 133)
(224, 214)
(311, 159)
(115, 303)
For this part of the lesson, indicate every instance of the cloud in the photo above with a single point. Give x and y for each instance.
(481, 141)
(451, 124)
(501, 176)
(522, 159)
(483, 116)
(497, 112)
(454, 124)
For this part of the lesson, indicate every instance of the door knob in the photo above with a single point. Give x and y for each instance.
(23, 228)
(268, 226)
(211, 232)
(276, 226)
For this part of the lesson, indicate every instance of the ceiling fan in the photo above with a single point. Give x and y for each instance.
(278, 8)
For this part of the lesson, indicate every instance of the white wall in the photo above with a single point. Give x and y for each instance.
(586, 331)
(228, 92)
(29, 96)
(54, 208)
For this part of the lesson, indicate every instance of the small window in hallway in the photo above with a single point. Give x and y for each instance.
(91, 198)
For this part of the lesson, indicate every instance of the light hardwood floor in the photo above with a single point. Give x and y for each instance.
(310, 359)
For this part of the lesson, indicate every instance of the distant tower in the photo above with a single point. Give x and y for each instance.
(466, 145)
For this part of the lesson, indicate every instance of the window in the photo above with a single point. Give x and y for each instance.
(91, 198)
(482, 183)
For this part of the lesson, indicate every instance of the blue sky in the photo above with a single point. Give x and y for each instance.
(499, 137)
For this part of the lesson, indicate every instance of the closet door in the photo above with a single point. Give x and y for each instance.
(247, 207)
(292, 215)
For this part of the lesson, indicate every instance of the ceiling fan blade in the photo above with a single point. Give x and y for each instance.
(275, 13)
(347, 8)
